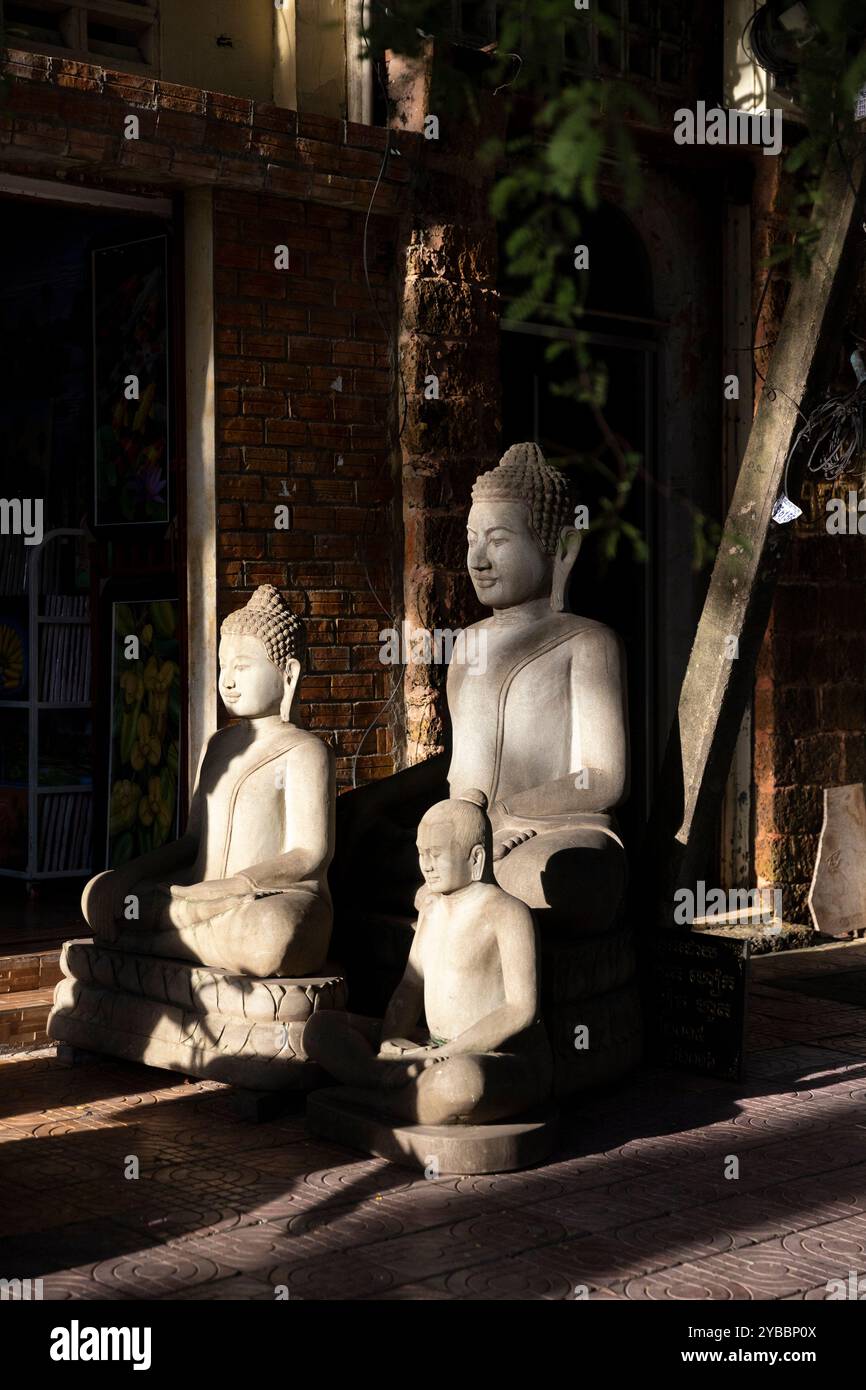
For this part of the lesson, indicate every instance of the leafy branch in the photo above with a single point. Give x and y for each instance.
(570, 142)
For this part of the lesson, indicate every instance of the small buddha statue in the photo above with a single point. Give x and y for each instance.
(245, 888)
(473, 973)
(541, 723)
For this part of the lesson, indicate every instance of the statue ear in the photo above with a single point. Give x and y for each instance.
(476, 859)
(567, 550)
(291, 677)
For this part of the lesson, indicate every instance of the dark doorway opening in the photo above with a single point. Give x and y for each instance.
(614, 585)
(57, 704)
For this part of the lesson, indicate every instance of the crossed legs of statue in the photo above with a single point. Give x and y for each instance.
(575, 876)
(477, 1088)
(280, 934)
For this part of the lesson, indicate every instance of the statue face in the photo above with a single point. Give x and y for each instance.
(250, 684)
(506, 563)
(443, 863)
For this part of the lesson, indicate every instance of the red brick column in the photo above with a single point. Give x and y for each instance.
(304, 394)
(449, 330)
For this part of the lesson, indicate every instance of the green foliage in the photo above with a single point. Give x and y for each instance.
(573, 139)
(831, 73)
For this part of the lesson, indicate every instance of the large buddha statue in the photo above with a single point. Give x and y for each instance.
(540, 724)
(537, 701)
(245, 888)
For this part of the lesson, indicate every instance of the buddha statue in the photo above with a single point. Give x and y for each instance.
(541, 723)
(245, 888)
(472, 972)
(538, 719)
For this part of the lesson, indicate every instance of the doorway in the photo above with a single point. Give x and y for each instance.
(93, 457)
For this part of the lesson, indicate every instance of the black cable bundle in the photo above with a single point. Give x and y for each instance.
(835, 428)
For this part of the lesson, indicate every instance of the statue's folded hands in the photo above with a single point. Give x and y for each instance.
(396, 1047)
(237, 887)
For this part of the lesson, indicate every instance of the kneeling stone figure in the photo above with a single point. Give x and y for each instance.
(473, 971)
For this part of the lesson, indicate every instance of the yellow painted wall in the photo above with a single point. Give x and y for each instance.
(191, 56)
(285, 56)
(294, 55)
(321, 56)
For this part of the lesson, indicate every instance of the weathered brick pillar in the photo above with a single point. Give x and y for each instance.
(449, 352)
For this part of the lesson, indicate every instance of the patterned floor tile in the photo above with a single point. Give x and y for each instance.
(766, 1271)
(840, 1246)
(525, 1277)
(155, 1273)
(795, 1060)
(337, 1276)
(635, 1205)
(237, 1288)
(429, 1292)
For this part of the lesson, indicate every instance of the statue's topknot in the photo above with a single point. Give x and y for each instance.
(268, 617)
(523, 476)
(466, 813)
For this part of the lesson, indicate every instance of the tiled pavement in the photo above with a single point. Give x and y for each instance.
(636, 1204)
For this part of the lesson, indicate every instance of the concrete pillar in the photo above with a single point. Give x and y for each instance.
(200, 472)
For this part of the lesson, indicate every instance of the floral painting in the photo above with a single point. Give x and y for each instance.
(131, 383)
(13, 657)
(145, 735)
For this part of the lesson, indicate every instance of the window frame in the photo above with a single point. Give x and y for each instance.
(75, 18)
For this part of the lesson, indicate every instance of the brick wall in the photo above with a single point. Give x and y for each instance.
(285, 433)
(305, 399)
(810, 691)
(451, 421)
(810, 700)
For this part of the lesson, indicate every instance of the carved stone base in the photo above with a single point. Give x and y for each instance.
(69, 1056)
(438, 1150)
(188, 1018)
(610, 1048)
(587, 967)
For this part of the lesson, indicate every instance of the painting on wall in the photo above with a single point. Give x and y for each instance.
(145, 728)
(14, 651)
(130, 392)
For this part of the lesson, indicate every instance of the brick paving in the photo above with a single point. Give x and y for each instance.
(635, 1205)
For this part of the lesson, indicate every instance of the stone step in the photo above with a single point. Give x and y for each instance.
(23, 1016)
(24, 971)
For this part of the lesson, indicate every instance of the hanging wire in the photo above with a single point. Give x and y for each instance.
(835, 429)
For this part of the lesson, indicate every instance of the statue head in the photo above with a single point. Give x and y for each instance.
(261, 647)
(455, 843)
(522, 538)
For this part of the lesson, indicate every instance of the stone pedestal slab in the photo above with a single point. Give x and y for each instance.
(439, 1150)
(190, 1018)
